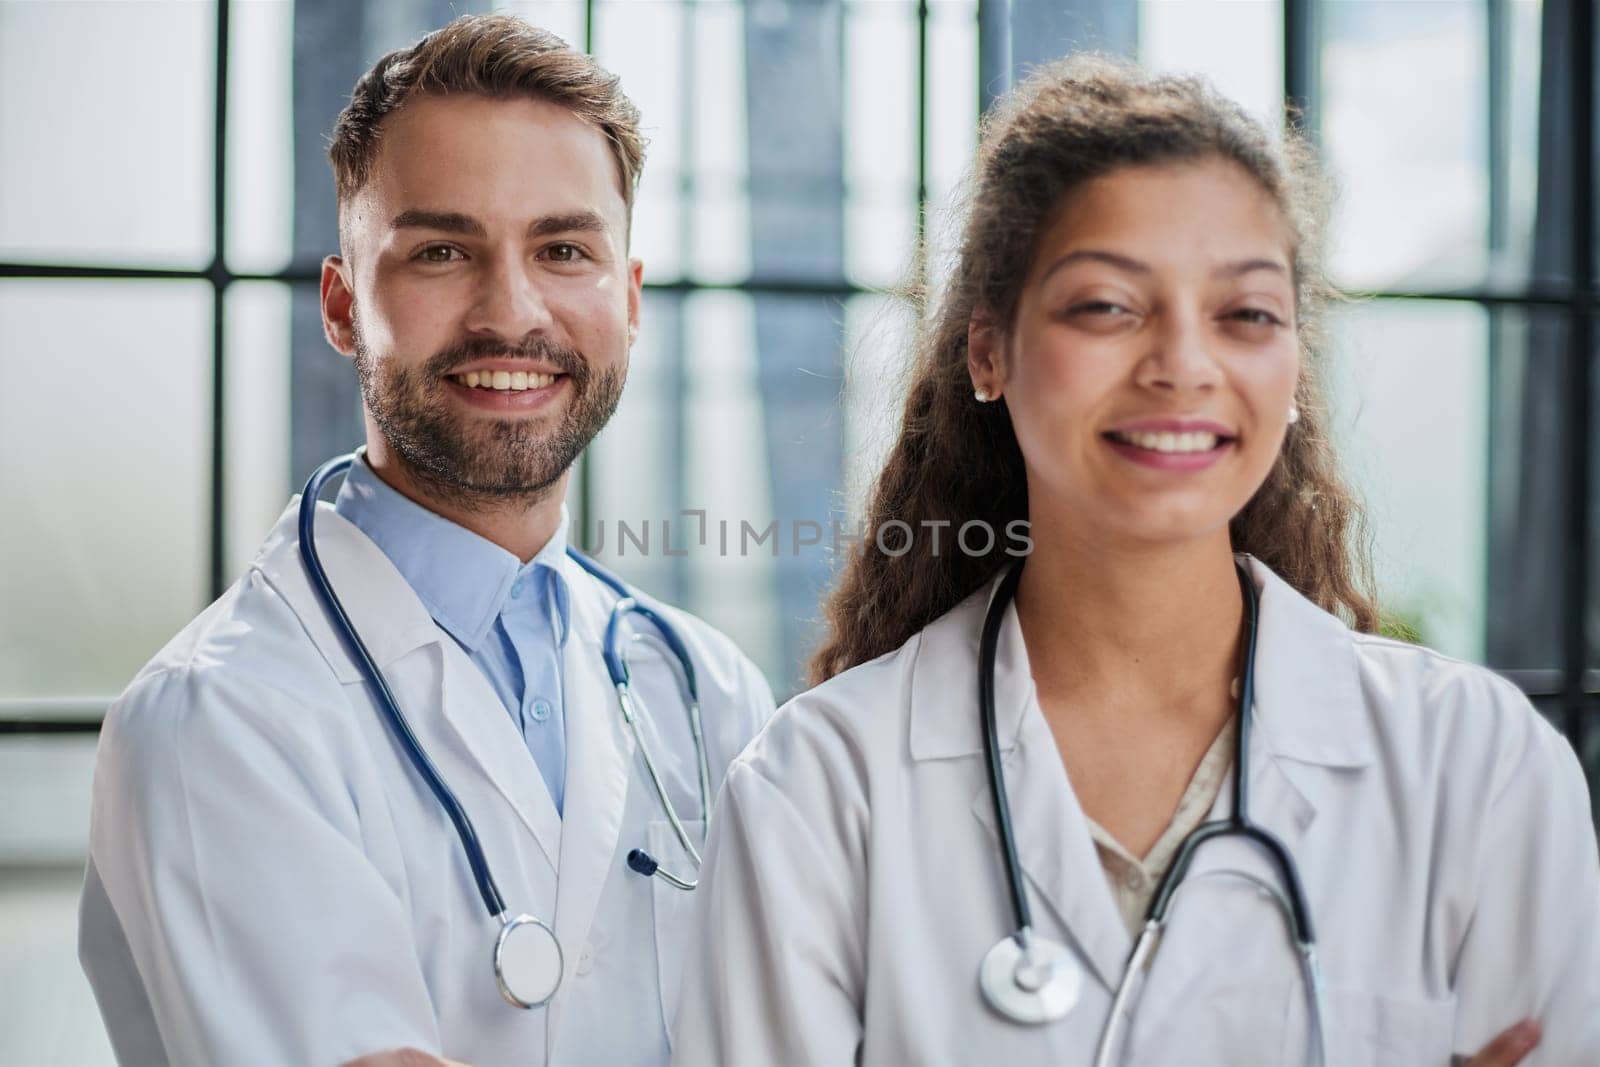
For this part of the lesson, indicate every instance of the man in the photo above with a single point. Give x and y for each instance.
(271, 879)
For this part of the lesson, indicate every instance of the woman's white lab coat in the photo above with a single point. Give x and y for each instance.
(270, 882)
(1441, 827)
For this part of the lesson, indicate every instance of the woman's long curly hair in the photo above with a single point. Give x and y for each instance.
(1068, 123)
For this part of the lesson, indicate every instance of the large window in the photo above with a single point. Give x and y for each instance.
(164, 386)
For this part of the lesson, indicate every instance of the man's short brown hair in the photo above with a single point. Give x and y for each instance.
(496, 56)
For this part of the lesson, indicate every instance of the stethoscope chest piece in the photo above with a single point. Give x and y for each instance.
(527, 962)
(1030, 980)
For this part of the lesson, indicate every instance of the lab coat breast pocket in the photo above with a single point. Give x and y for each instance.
(673, 909)
(1366, 1028)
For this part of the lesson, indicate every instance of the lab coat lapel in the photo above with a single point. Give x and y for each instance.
(1311, 730)
(382, 607)
(1057, 854)
(599, 762)
(479, 720)
(1310, 738)
(393, 622)
(1053, 844)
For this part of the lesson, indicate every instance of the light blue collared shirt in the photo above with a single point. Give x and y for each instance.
(510, 618)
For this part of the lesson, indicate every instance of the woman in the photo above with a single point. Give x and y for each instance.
(1125, 358)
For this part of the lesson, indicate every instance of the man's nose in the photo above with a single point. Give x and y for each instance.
(510, 300)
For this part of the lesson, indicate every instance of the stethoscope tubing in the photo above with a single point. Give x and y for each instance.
(988, 644)
(1238, 823)
(616, 667)
(387, 704)
(1292, 900)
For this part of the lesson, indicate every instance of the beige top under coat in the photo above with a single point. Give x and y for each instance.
(1133, 881)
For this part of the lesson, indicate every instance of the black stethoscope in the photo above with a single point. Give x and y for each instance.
(1032, 979)
(527, 957)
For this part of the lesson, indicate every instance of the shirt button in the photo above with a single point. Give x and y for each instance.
(516, 588)
(1133, 880)
(540, 710)
(586, 959)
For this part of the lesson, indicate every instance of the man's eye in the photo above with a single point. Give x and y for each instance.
(564, 253)
(438, 254)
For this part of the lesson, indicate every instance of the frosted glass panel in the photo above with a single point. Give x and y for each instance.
(1414, 205)
(564, 18)
(645, 45)
(728, 476)
(880, 140)
(631, 462)
(718, 239)
(105, 430)
(256, 316)
(952, 94)
(106, 113)
(1409, 388)
(692, 435)
(1236, 44)
(260, 135)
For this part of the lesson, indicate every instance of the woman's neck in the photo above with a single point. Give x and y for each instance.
(1131, 631)
(1133, 650)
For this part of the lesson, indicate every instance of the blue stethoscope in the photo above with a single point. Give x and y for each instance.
(527, 957)
(1033, 980)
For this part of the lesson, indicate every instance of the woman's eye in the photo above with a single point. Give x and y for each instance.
(1256, 317)
(438, 254)
(1098, 307)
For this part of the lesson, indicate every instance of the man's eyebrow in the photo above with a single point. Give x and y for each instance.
(570, 222)
(447, 221)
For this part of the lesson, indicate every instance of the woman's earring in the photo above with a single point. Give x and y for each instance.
(981, 395)
(1294, 414)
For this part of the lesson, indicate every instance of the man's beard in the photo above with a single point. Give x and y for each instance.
(478, 462)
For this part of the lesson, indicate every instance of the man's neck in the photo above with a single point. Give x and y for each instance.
(520, 525)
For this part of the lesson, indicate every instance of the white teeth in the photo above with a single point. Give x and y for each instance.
(1166, 441)
(505, 381)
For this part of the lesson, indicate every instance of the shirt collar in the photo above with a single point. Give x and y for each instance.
(464, 580)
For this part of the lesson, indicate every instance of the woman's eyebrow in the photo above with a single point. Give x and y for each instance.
(1099, 255)
(1241, 267)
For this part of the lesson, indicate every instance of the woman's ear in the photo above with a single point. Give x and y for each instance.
(985, 343)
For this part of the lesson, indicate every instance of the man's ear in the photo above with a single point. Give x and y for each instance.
(338, 305)
(635, 297)
(985, 346)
